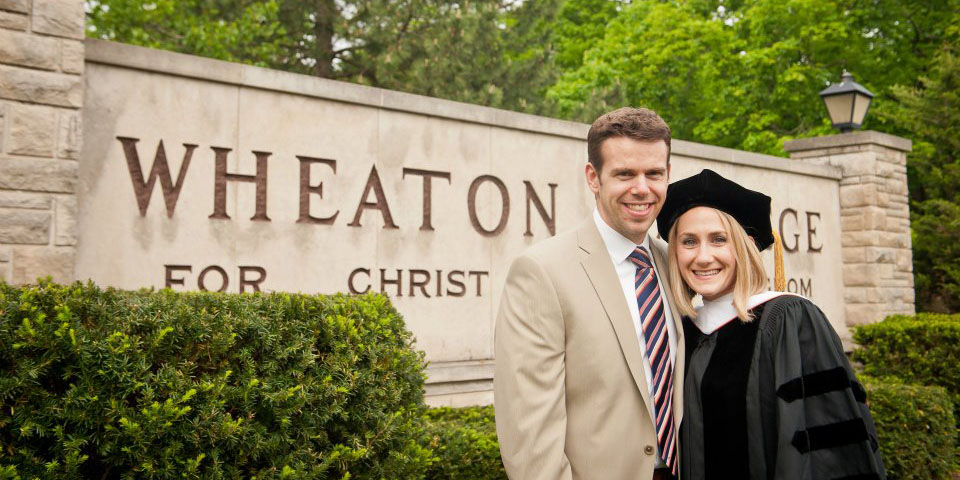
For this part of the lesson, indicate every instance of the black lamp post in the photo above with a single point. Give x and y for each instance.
(847, 102)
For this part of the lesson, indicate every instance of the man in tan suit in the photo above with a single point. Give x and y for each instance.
(589, 354)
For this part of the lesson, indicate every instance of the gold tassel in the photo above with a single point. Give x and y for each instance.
(779, 276)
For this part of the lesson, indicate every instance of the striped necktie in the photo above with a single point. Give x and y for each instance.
(657, 342)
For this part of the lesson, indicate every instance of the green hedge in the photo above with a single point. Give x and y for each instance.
(464, 441)
(923, 349)
(915, 429)
(111, 384)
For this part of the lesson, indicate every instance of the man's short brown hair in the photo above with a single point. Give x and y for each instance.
(640, 124)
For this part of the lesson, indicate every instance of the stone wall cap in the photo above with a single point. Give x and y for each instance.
(458, 371)
(190, 66)
(849, 139)
(760, 160)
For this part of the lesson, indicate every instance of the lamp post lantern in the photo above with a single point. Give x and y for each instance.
(847, 103)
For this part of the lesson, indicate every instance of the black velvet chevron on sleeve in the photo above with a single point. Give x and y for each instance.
(819, 383)
(832, 435)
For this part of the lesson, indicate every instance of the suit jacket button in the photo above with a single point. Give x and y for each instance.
(648, 450)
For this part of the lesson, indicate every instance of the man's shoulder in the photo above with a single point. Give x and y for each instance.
(554, 261)
(560, 247)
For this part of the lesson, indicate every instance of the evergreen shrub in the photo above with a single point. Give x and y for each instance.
(922, 349)
(464, 441)
(915, 429)
(109, 384)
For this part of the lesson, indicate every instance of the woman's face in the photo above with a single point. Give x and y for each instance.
(705, 255)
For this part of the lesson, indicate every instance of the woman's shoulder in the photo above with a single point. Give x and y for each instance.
(790, 311)
(789, 300)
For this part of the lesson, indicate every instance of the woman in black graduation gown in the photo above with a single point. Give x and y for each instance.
(769, 393)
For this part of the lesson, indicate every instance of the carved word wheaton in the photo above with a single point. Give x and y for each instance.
(160, 171)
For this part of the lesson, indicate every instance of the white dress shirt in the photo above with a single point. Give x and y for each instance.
(620, 248)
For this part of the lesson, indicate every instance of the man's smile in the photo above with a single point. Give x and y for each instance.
(641, 208)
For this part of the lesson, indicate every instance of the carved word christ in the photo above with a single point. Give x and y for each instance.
(160, 170)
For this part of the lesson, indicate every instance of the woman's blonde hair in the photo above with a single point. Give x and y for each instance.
(749, 279)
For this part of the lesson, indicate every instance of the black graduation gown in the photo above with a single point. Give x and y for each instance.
(775, 399)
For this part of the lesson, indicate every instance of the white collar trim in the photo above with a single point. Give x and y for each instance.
(717, 313)
(618, 246)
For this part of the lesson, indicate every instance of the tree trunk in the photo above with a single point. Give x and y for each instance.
(323, 31)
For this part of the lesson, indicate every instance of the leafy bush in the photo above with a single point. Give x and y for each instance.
(915, 429)
(112, 384)
(465, 443)
(924, 349)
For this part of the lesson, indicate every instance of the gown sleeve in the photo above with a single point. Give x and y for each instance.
(813, 421)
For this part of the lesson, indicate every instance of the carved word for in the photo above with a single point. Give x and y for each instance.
(214, 278)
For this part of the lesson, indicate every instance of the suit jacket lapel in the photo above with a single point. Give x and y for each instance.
(606, 284)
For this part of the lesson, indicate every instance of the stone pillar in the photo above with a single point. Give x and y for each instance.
(41, 93)
(874, 219)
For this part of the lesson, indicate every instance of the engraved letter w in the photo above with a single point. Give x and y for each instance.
(144, 188)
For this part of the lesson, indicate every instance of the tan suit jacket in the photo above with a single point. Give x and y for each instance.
(571, 396)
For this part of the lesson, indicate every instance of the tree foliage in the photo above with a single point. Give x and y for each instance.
(479, 51)
(931, 112)
(236, 31)
(744, 74)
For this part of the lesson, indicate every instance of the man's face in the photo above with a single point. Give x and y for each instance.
(632, 185)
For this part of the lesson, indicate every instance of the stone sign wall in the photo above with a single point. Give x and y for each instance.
(205, 175)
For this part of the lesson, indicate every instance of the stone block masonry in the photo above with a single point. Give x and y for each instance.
(41, 95)
(875, 220)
